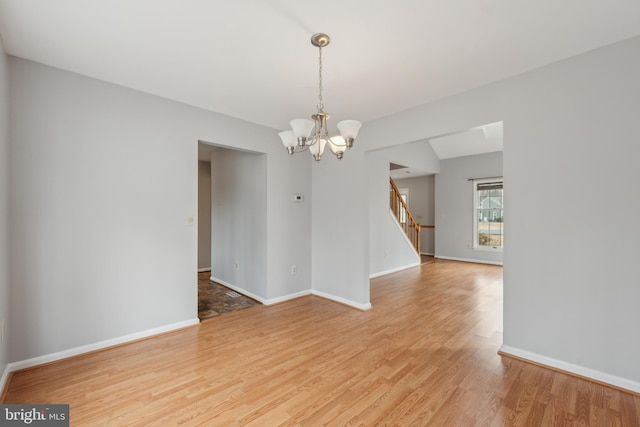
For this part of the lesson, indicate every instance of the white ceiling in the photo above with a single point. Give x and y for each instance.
(252, 59)
(483, 139)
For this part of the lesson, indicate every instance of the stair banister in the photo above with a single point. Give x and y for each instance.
(410, 227)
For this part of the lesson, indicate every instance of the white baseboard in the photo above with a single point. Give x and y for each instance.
(3, 379)
(202, 270)
(592, 374)
(426, 253)
(393, 270)
(240, 290)
(288, 297)
(265, 301)
(35, 361)
(477, 261)
(344, 301)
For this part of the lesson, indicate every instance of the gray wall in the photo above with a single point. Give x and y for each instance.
(422, 206)
(340, 228)
(204, 215)
(239, 223)
(454, 206)
(102, 181)
(389, 249)
(4, 208)
(289, 230)
(570, 131)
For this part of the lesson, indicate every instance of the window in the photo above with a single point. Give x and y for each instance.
(488, 214)
(404, 193)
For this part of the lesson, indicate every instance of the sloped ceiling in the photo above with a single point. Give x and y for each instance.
(480, 140)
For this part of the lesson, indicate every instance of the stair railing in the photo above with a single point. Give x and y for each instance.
(401, 211)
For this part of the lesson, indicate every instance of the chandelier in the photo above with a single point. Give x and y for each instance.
(314, 134)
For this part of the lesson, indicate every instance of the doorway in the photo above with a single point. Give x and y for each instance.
(231, 241)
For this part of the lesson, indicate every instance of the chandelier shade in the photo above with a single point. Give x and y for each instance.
(317, 148)
(289, 140)
(313, 135)
(338, 146)
(302, 128)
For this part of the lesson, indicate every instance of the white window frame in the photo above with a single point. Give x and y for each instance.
(404, 193)
(476, 246)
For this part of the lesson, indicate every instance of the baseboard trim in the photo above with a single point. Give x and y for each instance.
(476, 261)
(426, 253)
(278, 300)
(571, 369)
(393, 270)
(76, 351)
(4, 380)
(202, 270)
(240, 290)
(359, 306)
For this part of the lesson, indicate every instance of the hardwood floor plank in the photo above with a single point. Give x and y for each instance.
(425, 354)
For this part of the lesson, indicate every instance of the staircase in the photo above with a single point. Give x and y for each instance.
(401, 211)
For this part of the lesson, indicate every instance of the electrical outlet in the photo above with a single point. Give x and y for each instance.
(294, 269)
(386, 253)
(237, 265)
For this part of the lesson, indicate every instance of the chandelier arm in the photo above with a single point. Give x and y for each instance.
(301, 148)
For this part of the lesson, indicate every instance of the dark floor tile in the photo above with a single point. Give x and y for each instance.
(215, 299)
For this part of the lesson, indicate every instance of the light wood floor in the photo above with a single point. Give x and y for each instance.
(424, 355)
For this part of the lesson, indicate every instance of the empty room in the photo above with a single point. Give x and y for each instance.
(408, 191)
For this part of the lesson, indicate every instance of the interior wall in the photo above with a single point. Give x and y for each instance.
(204, 215)
(570, 133)
(102, 185)
(340, 228)
(389, 248)
(454, 206)
(239, 223)
(289, 231)
(577, 124)
(4, 211)
(422, 207)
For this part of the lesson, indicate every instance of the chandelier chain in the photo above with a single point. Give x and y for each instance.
(320, 105)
